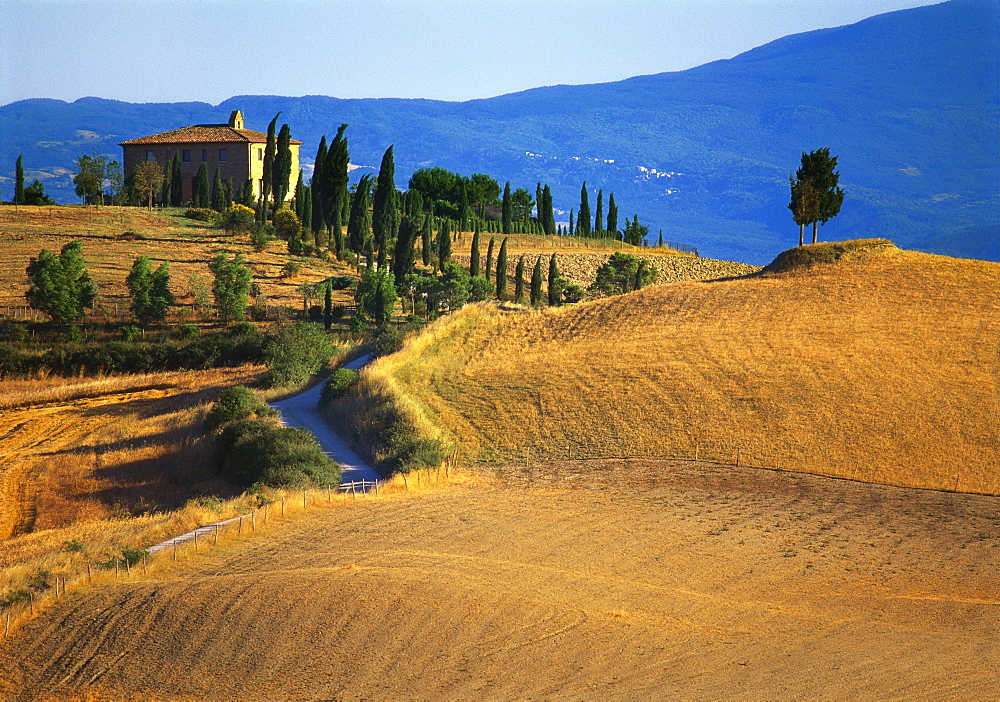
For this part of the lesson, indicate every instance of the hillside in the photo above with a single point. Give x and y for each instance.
(908, 100)
(881, 367)
(185, 244)
(685, 582)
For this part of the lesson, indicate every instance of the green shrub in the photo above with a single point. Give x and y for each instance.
(202, 214)
(337, 385)
(387, 341)
(260, 236)
(291, 269)
(296, 353)
(237, 402)
(130, 332)
(406, 451)
(74, 334)
(236, 219)
(188, 331)
(260, 452)
(340, 282)
(74, 546)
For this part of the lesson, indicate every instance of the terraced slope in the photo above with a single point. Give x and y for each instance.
(566, 582)
(882, 367)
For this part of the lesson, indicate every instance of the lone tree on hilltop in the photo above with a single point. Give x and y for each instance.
(60, 285)
(150, 290)
(816, 197)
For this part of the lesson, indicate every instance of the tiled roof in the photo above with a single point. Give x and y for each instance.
(204, 133)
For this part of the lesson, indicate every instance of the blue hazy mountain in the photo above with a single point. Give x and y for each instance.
(909, 101)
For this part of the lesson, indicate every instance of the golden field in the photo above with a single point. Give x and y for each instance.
(881, 368)
(604, 580)
(185, 244)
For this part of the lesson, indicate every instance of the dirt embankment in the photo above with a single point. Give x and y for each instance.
(581, 268)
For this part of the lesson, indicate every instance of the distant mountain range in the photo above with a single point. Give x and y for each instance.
(909, 101)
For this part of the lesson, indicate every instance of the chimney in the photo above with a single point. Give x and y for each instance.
(236, 120)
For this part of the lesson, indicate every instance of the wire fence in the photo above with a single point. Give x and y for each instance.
(135, 563)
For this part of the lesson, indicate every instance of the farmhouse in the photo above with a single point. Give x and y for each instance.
(237, 152)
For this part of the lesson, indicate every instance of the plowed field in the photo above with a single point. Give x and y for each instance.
(591, 580)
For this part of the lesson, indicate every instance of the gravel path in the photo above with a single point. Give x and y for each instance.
(301, 411)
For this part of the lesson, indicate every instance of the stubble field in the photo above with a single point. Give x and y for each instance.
(575, 580)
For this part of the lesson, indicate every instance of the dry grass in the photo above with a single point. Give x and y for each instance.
(564, 581)
(110, 461)
(538, 243)
(187, 245)
(883, 369)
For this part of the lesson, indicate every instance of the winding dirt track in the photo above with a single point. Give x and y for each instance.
(593, 580)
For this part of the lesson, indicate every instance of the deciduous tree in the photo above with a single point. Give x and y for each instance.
(150, 290)
(60, 286)
(146, 179)
(231, 285)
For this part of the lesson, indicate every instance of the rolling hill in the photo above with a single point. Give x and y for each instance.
(882, 366)
(908, 100)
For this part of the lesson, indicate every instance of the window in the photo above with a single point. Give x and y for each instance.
(204, 155)
(186, 155)
(149, 156)
(260, 153)
(223, 154)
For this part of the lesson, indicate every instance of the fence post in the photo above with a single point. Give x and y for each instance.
(128, 568)
(253, 520)
(6, 629)
(90, 579)
(175, 549)
(196, 541)
(329, 494)
(303, 499)
(282, 505)
(116, 568)
(216, 535)
(239, 530)
(31, 603)
(376, 488)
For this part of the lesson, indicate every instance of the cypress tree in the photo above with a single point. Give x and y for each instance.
(317, 182)
(176, 182)
(359, 222)
(19, 180)
(599, 217)
(539, 203)
(519, 281)
(299, 198)
(502, 271)
(269, 149)
(165, 185)
(307, 210)
(583, 220)
(202, 195)
(489, 257)
(505, 209)
(405, 254)
(536, 283)
(335, 186)
(660, 243)
(282, 167)
(612, 216)
(385, 217)
(550, 215)
(572, 229)
(443, 245)
(425, 240)
(227, 194)
(474, 256)
(218, 194)
(554, 287)
(328, 308)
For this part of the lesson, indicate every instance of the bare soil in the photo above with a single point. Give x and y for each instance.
(569, 580)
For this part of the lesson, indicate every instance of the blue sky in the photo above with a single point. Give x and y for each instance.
(209, 50)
